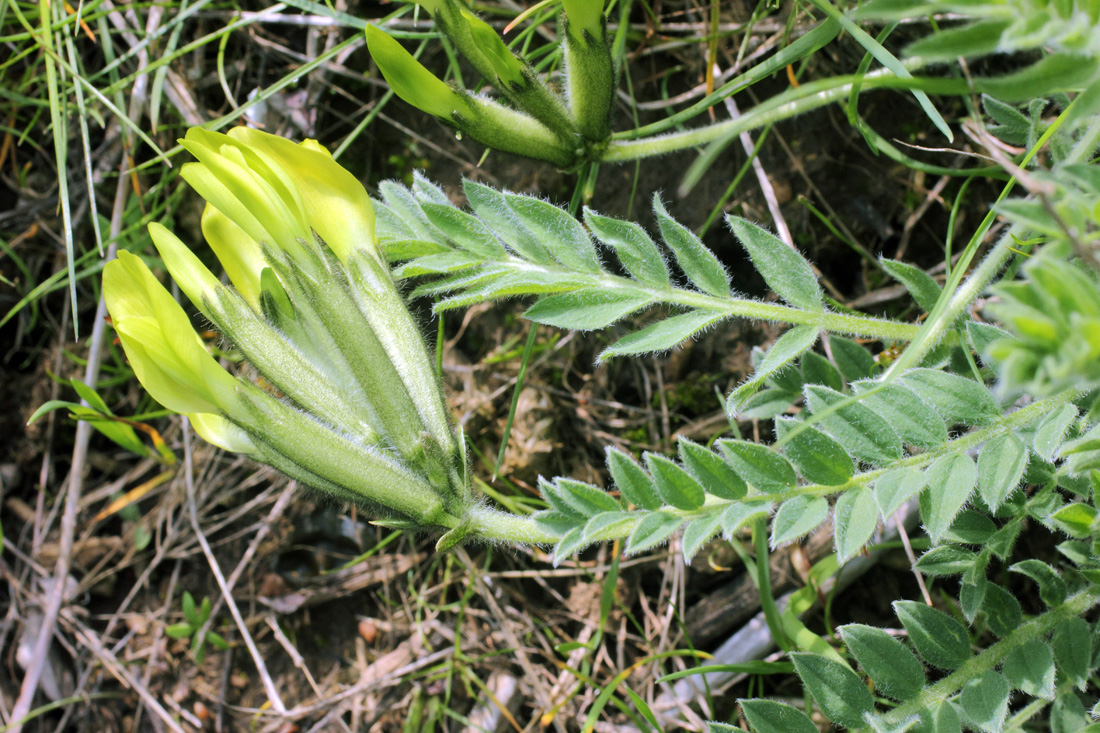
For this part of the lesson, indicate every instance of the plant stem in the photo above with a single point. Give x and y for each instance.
(994, 655)
(866, 326)
(490, 524)
(811, 42)
(834, 322)
(783, 106)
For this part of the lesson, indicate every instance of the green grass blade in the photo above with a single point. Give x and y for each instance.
(887, 59)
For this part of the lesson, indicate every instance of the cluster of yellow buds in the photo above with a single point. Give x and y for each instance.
(542, 124)
(338, 389)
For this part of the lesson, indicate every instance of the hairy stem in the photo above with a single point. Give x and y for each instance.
(866, 326)
(781, 107)
(490, 524)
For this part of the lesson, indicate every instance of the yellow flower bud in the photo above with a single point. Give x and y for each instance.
(166, 354)
(409, 79)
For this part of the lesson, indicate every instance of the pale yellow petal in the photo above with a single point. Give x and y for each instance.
(238, 252)
(217, 430)
(337, 206)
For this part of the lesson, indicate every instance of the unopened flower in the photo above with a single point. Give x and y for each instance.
(542, 130)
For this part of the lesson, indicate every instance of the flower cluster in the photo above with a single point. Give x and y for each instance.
(339, 392)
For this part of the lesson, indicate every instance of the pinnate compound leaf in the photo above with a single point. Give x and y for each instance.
(716, 476)
(786, 349)
(1068, 715)
(663, 335)
(853, 361)
(788, 380)
(984, 700)
(440, 263)
(768, 716)
(914, 420)
(568, 545)
(797, 517)
(492, 208)
(586, 310)
(760, 466)
(654, 529)
(957, 399)
(1076, 519)
(951, 481)
(972, 527)
(698, 263)
(920, 284)
(816, 369)
(609, 526)
(739, 514)
(502, 285)
(865, 433)
(388, 226)
(897, 487)
(698, 532)
(1072, 645)
(558, 232)
(819, 458)
(785, 271)
(938, 638)
(940, 718)
(555, 522)
(633, 483)
(554, 497)
(585, 498)
(634, 248)
(1002, 611)
(1001, 465)
(892, 667)
(397, 250)
(404, 206)
(854, 521)
(428, 192)
(676, 486)
(465, 231)
(1000, 544)
(839, 692)
(1052, 589)
(947, 560)
(766, 404)
(480, 277)
(972, 594)
(1048, 436)
(1030, 669)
